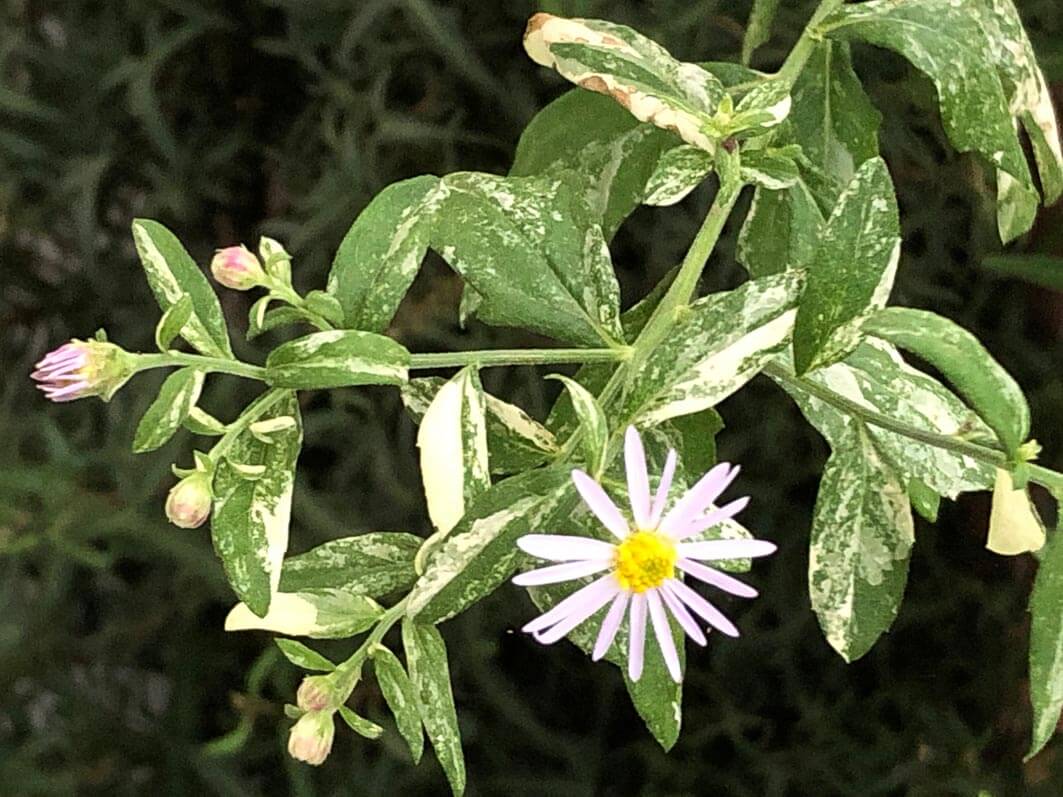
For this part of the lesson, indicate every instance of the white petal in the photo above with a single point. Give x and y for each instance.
(638, 479)
(716, 578)
(702, 607)
(569, 604)
(590, 604)
(564, 548)
(610, 625)
(600, 504)
(679, 611)
(718, 550)
(568, 571)
(636, 637)
(663, 631)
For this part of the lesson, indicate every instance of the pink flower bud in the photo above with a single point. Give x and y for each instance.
(311, 737)
(315, 693)
(237, 268)
(188, 504)
(82, 368)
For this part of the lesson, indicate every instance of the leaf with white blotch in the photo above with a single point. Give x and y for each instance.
(851, 273)
(453, 444)
(481, 553)
(781, 231)
(177, 396)
(945, 41)
(401, 697)
(337, 358)
(773, 169)
(372, 564)
(172, 322)
(318, 614)
(758, 28)
(862, 535)
(173, 274)
(1046, 644)
(261, 319)
(203, 423)
(325, 305)
(515, 441)
(382, 252)
(589, 134)
(679, 171)
(877, 378)
(594, 428)
(363, 727)
(1014, 525)
(426, 656)
(635, 71)
(720, 343)
(532, 251)
(250, 518)
(302, 656)
(763, 107)
(964, 361)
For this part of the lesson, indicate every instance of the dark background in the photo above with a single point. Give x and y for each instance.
(229, 120)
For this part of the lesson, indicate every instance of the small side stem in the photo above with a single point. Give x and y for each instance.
(252, 413)
(348, 673)
(488, 358)
(799, 55)
(218, 365)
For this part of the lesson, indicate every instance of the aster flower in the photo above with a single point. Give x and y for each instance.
(643, 571)
(82, 368)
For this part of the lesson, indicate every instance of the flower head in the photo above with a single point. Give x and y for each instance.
(83, 368)
(311, 736)
(644, 569)
(316, 693)
(237, 268)
(188, 504)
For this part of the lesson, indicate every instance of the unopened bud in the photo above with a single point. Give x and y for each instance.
(237, 268)
(315, 693)
(311, 736)
(188, 505)
(82, 368)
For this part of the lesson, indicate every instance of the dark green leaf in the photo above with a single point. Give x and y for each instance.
(401, 697)
(337, 359)
(177, 396)
(373, 564)
(172, 322)
(1046, 644)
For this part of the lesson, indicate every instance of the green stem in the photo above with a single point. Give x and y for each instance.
(489, 357)
(253, 412)
(348, 673)
(799, 55)
(1047, 478)
(282, 291)
(218, 365)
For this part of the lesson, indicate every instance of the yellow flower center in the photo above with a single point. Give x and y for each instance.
(644, 560)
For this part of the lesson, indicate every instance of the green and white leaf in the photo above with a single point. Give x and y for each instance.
(363, 727)
(720, 343)
(851, 274)
(679, 171)
(762, 108)
(533, 252)
(594, 428)
(177, 396)
(401, 697)
(426, 656)
(634, 70)
(338, 358)
(318, 614)
(251, 517)
(964, 361)
(480, 553)
(172, 274)
(373, 564)
(453, 443)
(203, 423)
(862, 535)
(172, 322)
(1046, 644)
(302, 656)
(1014, 525)
(774, 169)
(781, 231)
(382, 252)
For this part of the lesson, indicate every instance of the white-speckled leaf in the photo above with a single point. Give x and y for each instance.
(876, 377)
(594, 428)
(172, 274)
(382, 252)
(635, 71)
(177, 396)
(1046, 644)
(338, 358)
(851, 273)
(1014, 525)
(453, 444)
(318, 614)
(480, 553)
(172, 322)
(771, 168)
(720, 343)
(373, 564)
(250, 520)
(426, 656)
(401, 697)
(862, 535)
(946, 40)
(781, 231)
(532, 251)
(679, 171)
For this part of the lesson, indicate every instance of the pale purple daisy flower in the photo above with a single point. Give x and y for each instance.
(82, 368)
(643, 571)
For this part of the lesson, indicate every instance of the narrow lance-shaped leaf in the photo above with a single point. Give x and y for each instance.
(679, 171)
(862, 535)
(172, 322)
(302, 656)
(172, 274)
(251, 516)
(944, 40)
(318, 614)
(426, 656)
(594, 428)
(363, 727)
(337, 359)
(1046, 644)
(177, 396)
(373, 564)
(401, 697)
(382, 252)
(852, 271)
(964, 361)
(453, 444)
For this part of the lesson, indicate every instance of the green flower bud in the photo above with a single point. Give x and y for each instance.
(188, 505)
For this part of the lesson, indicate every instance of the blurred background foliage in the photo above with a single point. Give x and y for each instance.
(230, 120)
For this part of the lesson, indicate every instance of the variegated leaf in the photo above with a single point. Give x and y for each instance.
(318, 614)
(594, 428)
(1046, 644)
(373, 564)
(679, 171)
(177, 396)
(781, 231)
(337, 358)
